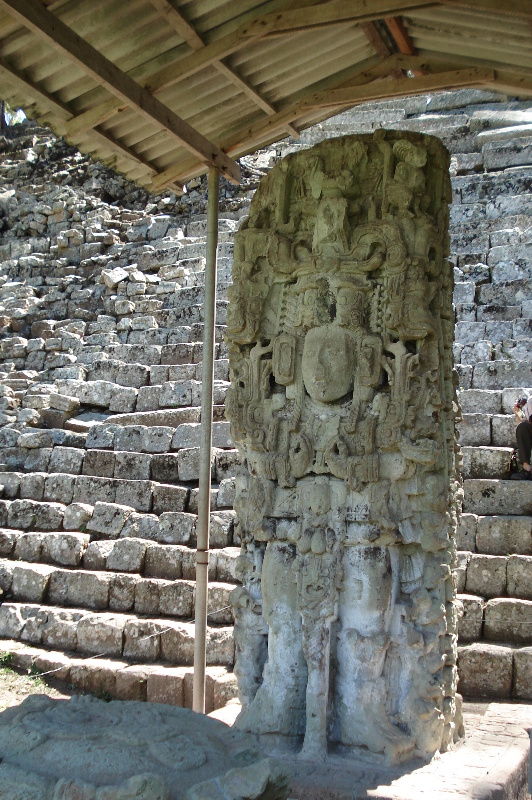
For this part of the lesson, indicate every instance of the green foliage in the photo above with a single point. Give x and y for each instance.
(6, 658)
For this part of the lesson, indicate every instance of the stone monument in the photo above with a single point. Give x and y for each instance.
(342, 405)
(86, 749)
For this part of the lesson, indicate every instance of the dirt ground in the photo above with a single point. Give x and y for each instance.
(15, 686)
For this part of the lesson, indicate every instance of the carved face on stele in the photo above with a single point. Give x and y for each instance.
(328, 363)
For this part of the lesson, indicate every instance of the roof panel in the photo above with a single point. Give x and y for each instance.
(273, 74)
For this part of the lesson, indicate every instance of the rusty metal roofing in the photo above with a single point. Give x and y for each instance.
(163, 89)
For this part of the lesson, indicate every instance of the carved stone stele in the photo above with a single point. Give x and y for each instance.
(342, 405)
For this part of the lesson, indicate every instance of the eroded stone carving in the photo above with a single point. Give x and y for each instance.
(85, 749)
(339, 330)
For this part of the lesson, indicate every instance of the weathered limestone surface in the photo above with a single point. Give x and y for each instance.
(85, 748)
(339, 331)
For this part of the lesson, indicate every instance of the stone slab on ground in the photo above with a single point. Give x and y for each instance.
(84, 747)
(491, 763)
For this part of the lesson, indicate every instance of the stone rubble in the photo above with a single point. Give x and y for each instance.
(101, 318)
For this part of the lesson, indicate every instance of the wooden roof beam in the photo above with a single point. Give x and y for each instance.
(512, 8)
(192, 38)
(64, 112)
(374, 37)
(34, 16)
(404, 43)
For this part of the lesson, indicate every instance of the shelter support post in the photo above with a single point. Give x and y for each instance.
(204, 498)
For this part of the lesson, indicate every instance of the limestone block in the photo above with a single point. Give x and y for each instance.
(133, 375)
(123, 400)
(176, 599)
(227, 464)
(504, 535)
(520, 576)
(137, 494)
(99, 462)
(175, 394)
(36, 440)
(503, 431)
(35, 621)
(38, 460)
(166, 685)
(165, 468)
(221, 528)
(506, 497)
(486, 462)
(147, 595)
(485, 670)
(493, 374)
(169, 498)
(96, 393)
(30, 582)
(460, 571)
(127, 555)
(8, 540)
(475, 430)
(101, 634)
(81, 589)
(108, 519)
(486, 575)
(508, 620)
(142, 641)
(32, 486)
(177, 527)
(157, 439)
(142, 526)
(471, 618)
(467, 532)
(163, 561)
(95, 556)
(77, 516)
(226, 561)
(129, 439)
(66, 549)
(11, 482)
(59, 488)
(12, 621)
(102, 436)
(219, 604)
(177, 643)
(91, 489)
(193, 500)
(60, 630)
(122, 592)
(468, 333)
(522, 671)
(186, 436)
(97, 676)
(509, 396)
(478, 351)
(226, 493)
(63, 402)
(132, 466)
(29, 547)
(112, 277)
(132, 682)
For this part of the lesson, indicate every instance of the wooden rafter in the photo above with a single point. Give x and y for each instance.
(349, 96)
(512, 8)
(400, 36)
(34, 16)
(374, 37)
(63, 111)
(190, 35)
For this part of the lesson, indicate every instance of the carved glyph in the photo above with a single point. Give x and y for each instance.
(339, 330)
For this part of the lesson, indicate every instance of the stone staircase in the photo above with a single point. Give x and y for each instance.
(100, 380)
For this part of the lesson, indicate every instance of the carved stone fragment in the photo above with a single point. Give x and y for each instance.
(342, 406)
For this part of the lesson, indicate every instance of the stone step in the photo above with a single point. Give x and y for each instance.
(486, 462)
(484, 497)
(155, 683)
(113, 634)
(483, 430)
(495, 535)
(110, 519)
(501, 373)
(121, 589)
(490, 576)
(495, 670)
(129, 554)
(491, 401)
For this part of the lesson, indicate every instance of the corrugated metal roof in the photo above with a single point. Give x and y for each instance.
(161, 89)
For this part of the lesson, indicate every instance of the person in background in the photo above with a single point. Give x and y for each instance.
(523, 433)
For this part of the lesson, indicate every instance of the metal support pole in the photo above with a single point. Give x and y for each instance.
(204, 496)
